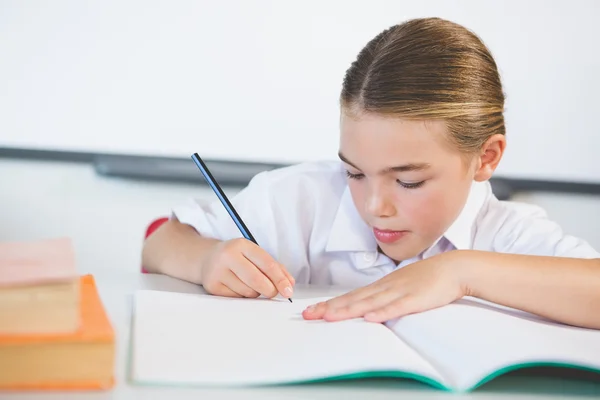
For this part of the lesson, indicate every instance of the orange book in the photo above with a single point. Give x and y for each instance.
(80, 360)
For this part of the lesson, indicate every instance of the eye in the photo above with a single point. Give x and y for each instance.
(354, 176)
(411, 185)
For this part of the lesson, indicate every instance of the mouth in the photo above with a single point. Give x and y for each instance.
(388, 236)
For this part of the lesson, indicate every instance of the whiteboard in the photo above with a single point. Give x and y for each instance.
(259, 80)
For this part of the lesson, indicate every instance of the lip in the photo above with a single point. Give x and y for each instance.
(387, 235)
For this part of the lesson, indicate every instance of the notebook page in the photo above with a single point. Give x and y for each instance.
(471, 339)
(189, 339)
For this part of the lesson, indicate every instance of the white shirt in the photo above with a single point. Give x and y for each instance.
(303, 215)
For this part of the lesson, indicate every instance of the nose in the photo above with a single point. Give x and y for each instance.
(379, 202)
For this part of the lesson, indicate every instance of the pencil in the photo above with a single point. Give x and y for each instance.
(212, 182)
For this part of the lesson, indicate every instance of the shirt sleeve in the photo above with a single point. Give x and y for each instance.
(210, 218)
(526, 229)
(272, 215)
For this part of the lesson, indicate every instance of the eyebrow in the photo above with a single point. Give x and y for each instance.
(398, 168)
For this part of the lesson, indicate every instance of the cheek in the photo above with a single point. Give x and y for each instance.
(429, 212)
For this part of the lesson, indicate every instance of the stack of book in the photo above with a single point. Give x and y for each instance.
(54, 331)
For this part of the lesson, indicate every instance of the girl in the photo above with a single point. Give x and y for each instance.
(407, 218)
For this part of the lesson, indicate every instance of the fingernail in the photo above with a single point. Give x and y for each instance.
(310, 308)
(288, 291)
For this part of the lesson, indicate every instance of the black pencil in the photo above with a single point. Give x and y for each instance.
(224, 200)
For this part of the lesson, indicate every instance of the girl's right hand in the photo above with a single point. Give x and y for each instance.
(240, 268)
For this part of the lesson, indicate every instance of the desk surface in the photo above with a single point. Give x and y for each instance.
(116, 291)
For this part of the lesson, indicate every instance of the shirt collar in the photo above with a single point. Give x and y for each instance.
(460, 233)
(350, 233)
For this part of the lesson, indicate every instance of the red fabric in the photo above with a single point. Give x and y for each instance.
(151, 228)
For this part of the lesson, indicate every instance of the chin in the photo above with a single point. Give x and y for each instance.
(398, 253)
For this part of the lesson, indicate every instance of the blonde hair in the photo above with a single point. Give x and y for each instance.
(429, 68)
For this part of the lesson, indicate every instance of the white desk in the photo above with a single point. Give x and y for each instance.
(116, 290)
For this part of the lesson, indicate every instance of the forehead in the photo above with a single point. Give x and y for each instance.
(382, 139)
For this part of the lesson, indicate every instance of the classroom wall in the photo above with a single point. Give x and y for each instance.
(224, 78)
(151, 77)
(106, 218)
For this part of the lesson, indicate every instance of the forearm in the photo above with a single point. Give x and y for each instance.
(176, 249)
(563, 289)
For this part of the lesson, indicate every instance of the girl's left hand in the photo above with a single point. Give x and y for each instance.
(418, 287)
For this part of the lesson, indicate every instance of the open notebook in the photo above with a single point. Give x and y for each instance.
(187, 339)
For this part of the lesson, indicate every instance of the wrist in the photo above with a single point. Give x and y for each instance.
(203, 259)
(188, 257)
(459, 262)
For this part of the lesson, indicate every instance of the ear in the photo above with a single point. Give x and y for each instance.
(490, 156)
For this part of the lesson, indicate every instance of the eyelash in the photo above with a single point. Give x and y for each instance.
(415, 185)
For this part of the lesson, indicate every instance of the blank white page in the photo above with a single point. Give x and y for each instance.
(189, 339)
(471, 339)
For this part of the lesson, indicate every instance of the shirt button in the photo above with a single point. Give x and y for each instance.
(369, 257)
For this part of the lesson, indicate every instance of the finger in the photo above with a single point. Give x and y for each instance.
(234, 283)
(222, 290)
(355, 295)
(289, 276)
(271, 268)
(318, 311)
(251, 276)
(397, 308)
(362, 306)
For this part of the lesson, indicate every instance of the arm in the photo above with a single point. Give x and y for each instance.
(177, 250)
(566, 290)
(562, 289)
(233, 268)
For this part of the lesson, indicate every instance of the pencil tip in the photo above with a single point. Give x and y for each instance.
(290, 300)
